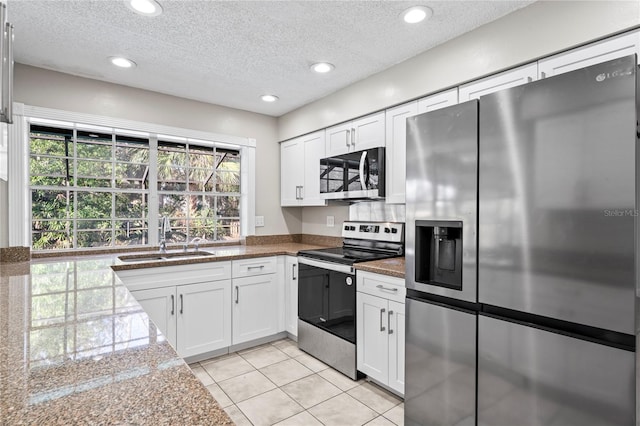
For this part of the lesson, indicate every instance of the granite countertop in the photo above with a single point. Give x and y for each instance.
(76, 347)
(393, 267)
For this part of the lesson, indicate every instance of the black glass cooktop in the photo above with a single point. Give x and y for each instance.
(345, 255)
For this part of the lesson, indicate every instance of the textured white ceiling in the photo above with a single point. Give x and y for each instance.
(231, 52)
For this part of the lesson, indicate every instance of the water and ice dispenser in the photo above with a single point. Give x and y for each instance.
(439, 253)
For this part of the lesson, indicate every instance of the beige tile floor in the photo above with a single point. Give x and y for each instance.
(278, 384)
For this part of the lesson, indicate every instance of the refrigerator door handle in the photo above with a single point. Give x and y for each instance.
(363, 181)
(382, 311)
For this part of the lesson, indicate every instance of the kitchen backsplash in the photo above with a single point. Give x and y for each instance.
(377, 211)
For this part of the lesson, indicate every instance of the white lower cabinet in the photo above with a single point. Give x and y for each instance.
(188, 303)
(255, 305)
(160, 306)
(195, 318)
(291, 295)
(203, 315)
(380, 318)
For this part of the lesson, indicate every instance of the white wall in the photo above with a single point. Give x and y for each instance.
(543, 28)
(44, 88)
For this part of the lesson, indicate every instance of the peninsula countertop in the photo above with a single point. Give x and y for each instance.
(76, 347)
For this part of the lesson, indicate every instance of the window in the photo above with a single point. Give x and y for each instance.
(94, 187)
(199, 191)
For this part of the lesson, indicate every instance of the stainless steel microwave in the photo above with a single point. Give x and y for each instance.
(356, 175)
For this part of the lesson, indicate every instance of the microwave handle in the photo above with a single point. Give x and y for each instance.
(363, 181)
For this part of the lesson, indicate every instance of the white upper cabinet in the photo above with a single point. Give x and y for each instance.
(512, 78)
(291, 172)
(357, 135)
(396, 129)
(396, 151)
(437, 101)
(606, 50)
(300, 170)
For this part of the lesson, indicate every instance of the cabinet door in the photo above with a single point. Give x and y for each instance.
(255, 312)
(372, 345)
(396, 318)
(204, 317)
(516, 77)
(595, 53)
(291, 172)
(160, 306)
(313, 150)
(368, 132)
(437, 101)
(291, 295)
(396, 152)
(338, 139)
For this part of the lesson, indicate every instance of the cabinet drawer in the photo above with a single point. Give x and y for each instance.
(390, 288)
(254, 266)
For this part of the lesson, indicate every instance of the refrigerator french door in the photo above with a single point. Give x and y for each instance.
(557, 249)
(441, 308)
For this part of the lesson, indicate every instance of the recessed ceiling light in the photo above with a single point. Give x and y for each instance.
(269, 98)
(121, 62)
(145, 7)
(416, 14)
(322, 67)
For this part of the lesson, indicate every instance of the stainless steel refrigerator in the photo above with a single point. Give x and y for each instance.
(521, 254)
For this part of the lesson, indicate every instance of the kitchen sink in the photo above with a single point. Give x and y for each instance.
(156, 257)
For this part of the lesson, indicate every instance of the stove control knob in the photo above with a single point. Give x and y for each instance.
(352, 228)
(387, 230)
(346, 228)
(394, 230)
(349, 281)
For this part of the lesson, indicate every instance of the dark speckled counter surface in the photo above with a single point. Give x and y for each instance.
(393, 267)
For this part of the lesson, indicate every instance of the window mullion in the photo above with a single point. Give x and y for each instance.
(75, 189)
(153, 214)
(113, 186)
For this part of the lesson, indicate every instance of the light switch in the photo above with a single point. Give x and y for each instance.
(330, 221)
(259, 220)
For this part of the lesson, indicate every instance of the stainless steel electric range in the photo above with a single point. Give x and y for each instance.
(327, 290)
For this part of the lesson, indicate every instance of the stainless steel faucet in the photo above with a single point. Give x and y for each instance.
(165, 227)
(197, 241)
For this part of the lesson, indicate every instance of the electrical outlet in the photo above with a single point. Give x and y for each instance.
(330, 221)
(259, 220)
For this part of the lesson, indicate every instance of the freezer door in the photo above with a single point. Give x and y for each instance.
(529, 376)
(442, 185)
(557, 197)
(440, 369)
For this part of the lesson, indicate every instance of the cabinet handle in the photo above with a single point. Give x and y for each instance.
(381, 287)
(543, 74)
(389, 322)
(382, 311)
(254, 267)
(353, 137)
(173, 305)
(237, 294)
(7, 88)
(181, 304)
(302, 192)
(293, 272)
(348, 137)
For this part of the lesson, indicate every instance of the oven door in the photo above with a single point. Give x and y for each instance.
(357, 174)
(327, 297)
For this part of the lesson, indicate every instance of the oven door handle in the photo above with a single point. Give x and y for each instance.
(345, 269)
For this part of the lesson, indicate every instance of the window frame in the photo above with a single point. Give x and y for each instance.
(20, 131)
